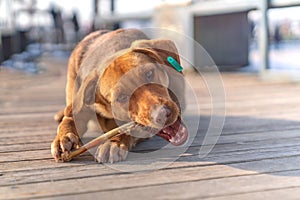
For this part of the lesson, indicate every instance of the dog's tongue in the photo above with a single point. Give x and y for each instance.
(176, 133)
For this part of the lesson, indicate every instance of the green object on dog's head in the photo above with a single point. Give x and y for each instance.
(175, 64)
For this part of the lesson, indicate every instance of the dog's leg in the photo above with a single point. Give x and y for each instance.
(115, 149)
(68, 136)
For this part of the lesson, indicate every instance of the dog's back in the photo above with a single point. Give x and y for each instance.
(93, 51)
(95, 48)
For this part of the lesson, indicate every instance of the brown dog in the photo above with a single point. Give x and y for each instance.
(121, 76)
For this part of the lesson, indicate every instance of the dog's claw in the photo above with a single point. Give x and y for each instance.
(63, 144)
(111, 152)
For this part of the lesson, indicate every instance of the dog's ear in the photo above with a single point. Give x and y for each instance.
(162, 47)
(86, 92)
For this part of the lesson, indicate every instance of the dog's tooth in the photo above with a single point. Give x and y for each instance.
(172, 140)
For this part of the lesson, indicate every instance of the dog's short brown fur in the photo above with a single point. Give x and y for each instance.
(148, 87)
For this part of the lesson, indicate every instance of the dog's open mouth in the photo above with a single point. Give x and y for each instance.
(176, 133)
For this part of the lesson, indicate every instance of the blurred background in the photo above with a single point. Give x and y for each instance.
(246, 35)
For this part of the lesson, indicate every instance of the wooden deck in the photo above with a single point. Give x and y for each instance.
(256, 157)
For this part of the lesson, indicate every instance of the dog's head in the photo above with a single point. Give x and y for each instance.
(141, 86)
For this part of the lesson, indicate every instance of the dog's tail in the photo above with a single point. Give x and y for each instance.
(59, 116)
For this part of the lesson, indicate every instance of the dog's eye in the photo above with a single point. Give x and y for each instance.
(122, 98)
(149, 75)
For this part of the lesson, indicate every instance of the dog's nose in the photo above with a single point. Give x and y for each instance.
(160, 114)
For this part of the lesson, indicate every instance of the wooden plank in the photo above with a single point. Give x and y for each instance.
(42, 145)
(268, 139)
(25, 131)
(190, 159)
(227, 188)
(28, 139)
(291, 193)
(235, 153)
(190, 181)
(44, 136)
(38, 165)
(276, 165)
(27, 155)
(92, 183)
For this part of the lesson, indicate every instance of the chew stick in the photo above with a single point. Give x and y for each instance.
(67, 156)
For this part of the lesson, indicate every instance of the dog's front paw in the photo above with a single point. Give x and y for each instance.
(111, 151)
(64, 143)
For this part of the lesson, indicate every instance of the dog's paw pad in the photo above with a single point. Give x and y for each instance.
(111, 152)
